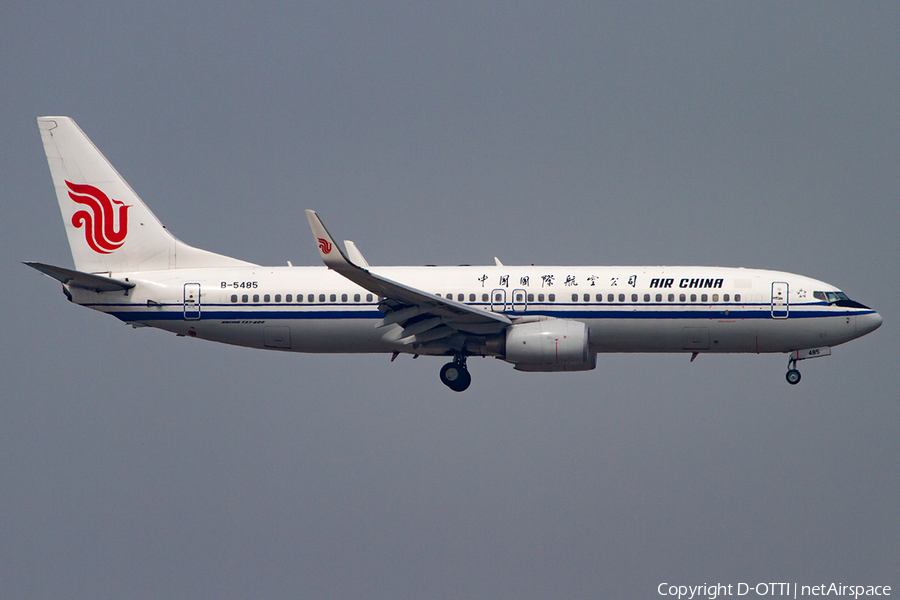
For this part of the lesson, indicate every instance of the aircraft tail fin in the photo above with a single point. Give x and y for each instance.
(109, 227)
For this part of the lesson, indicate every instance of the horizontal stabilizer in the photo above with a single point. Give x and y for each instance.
(70, 278)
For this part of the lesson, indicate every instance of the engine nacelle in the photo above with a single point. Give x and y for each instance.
(549, 345)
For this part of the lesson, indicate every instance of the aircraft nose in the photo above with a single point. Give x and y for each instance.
(868, 323)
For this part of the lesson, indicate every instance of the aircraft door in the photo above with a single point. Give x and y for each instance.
(779, 300)
(498, 300)
(519, 300)
(191, 301)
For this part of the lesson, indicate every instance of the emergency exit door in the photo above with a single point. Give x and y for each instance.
(779, 300)
(191, 301)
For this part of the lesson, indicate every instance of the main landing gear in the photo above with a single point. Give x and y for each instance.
(455, 375)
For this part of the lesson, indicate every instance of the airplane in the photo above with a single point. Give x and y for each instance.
(537, 318)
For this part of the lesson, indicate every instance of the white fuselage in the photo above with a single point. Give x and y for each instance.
(626, 309)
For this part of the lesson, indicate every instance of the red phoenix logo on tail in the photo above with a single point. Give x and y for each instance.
(324, 246)
(99, 226)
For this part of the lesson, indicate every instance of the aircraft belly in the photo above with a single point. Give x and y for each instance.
(793, 333)
(324, 335)
(636, 335)
(356, 334)
(672, 335)
(297, 335)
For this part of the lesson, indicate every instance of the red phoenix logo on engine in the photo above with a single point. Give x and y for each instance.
(324, 246)
(99, 225)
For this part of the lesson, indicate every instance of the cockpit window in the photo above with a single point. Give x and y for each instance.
(837, 298)
(830, 297)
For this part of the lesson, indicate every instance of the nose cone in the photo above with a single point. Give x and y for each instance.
(868, 323)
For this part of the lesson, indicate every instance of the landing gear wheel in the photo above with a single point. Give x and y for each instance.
(793, 377)
(456, 376)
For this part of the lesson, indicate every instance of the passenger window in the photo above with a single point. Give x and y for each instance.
(277, 297)
(520, 297)
(621, 297)
(587, 297)
(611, 298)
(715, 297)
(290, 298)
(693, 297)
(343, 297)
(671, 297)
(551, 297)
(599, 297)
(471, 297)
(368, 297)
(659, 297)
(321, 297)
(574, 297)
(634, 297)
(681, 297)
(646, 297)
(484, 297)
(540, 297)
(334, 297)
(530, 297)
(461, 297)
(312, 298)
(256, 297)
(498, 297)
(267, 298)
(737, 297)
(357, 297)
(234, 298)
(725, 297)
(245, 298)
(703, 298)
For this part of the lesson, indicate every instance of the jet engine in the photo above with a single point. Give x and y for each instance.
(549, 345)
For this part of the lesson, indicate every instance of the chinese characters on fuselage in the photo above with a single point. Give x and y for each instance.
(657, 282)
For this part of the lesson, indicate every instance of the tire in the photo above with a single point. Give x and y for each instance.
(455, 376)
(793, 377)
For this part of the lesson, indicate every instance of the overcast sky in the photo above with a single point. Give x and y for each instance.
(135, 464)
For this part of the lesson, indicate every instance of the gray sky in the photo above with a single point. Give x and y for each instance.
(137, 464)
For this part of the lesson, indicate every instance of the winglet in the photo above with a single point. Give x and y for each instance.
(354, 254)
(334, 258)
(331, 253)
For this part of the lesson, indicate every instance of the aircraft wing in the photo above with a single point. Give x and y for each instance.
(422, 317)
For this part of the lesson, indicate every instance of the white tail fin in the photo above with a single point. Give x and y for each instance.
(110, 229)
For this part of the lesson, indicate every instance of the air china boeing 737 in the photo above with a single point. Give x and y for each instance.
(536, 318)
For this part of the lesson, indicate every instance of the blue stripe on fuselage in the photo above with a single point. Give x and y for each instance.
(621, 311)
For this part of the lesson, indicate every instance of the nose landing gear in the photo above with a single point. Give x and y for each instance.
(455, 375)
(793, 375)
